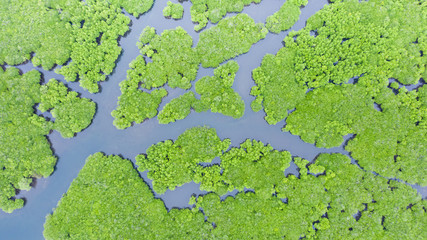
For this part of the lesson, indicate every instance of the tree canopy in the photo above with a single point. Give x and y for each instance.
(84, 32)
(173, 10)
(109, 200)
(174, 62)
(203, 11)
(369, 43)
(229, 38)
(217, 94)
(286, 17)
(25, 153)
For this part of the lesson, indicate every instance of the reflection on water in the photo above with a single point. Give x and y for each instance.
(27, 223)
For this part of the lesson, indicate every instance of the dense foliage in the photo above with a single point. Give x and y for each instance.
(329, 206)
(173, 10)
(172, 164)
(342, 74)
(178, 108)
(203, 11)
(217, 94)
(108, 200)
(72, 114)
(25, 152)
(371, 42)
(84, 31)
(47, 35)
(286, 17)
(229, 38)
(174, 62)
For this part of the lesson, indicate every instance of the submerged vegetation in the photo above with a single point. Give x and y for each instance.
(25, 153)
(109, 196)
(371, 42)
(84, 32)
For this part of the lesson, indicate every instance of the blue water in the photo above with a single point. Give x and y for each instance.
(27, 223)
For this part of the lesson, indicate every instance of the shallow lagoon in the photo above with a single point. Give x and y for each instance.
(27, 223)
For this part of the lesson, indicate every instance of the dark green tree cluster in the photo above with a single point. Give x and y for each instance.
(331, 198)
(171, 164)
(286, 17)
(203, 11)
(108, 200)
(55, 31)
(370, 41)
(173, 10)
(174, 62)
(229, 38)
(25, 152)
(216, 94)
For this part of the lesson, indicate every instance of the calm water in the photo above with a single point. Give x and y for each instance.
(27, 223)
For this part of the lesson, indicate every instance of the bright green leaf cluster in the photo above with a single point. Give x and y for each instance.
(203, 11)
(136, 105)
(24, 149)
(96, 27)
(229, 38)
(171, 164)
(173, 10)
(253, 165)
(352, 39)
(286, 17)
(178, 108)
(372, 40)
(108, 200)
(217, 93)
(329, 206)
(84, 31)
(72, 114)
(29, 27)
(174, 61)
(25, 152)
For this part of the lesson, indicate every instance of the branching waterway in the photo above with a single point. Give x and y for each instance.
(103, 136)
